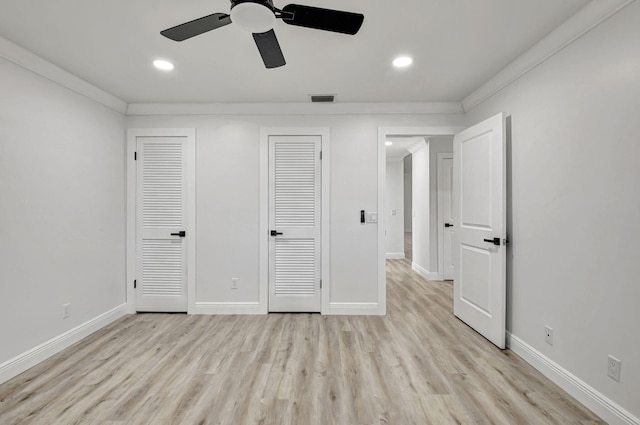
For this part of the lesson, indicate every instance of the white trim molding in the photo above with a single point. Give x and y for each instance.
(354, 309)
(34, 63)
(424, 273)
(589, 17)
(603, 406)
(325, 272)
(291, 108)
(227, 308)
(28, 359)
(395, 256)
(418, 145)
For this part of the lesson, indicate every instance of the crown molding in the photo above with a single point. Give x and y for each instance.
(587, 18)
(34, 63)
(294, 108)
(418, 145)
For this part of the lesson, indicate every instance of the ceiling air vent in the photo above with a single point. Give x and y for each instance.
(322, 98)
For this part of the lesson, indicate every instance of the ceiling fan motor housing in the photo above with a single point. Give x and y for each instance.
(266, 3)
(256, 16)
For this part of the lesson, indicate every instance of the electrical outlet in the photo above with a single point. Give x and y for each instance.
(234, 283)
(372, 217)
(613, 368)
(548, 335)
(66, 310)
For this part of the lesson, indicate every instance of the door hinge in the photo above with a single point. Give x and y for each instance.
(320, 283)
(135, 284)
(320, 155)
(135, 156)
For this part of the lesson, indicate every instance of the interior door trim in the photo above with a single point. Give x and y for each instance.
(132, 135)
(265, 133)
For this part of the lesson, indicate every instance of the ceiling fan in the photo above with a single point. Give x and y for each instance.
(259, 17)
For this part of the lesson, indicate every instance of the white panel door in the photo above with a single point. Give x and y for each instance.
(479, 240)
(161, 189)
(447, 213)
(294, 223)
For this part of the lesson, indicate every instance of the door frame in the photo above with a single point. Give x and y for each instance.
(383, 133)
(440, 157)
(131, 179)
(325, 222)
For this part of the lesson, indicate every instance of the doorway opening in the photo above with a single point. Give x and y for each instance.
(424, 212)
(414, 191)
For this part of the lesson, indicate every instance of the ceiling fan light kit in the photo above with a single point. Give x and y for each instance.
(253, 16)
(259, 17)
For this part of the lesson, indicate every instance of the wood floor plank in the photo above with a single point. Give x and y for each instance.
(417, 365)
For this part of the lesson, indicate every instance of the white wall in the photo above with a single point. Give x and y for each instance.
(395, 202)
(61, 210)
(436, 145)
(574, 165)
(228, 155)
(420, 199)
(408, 203)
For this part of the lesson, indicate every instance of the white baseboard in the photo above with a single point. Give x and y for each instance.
(227, 308)
(28, 359)
(353, 309)
(426, 274)
(601, 405)
(364, 309)
(395, 256)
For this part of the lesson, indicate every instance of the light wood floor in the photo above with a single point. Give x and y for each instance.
(418, 365)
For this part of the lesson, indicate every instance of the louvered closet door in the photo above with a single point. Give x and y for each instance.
(294, 219)
(161, 216)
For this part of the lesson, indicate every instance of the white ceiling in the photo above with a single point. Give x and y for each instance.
(456, 44)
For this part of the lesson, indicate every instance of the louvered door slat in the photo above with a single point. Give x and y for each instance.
(162, 184)
(295, 267)
(294, 184)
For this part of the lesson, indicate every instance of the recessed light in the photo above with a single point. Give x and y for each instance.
(388, 143)
(402, 61)
(163, 64)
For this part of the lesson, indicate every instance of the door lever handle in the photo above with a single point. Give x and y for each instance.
(275, 233)
(181, 233)
(448, 225)
(495, 241)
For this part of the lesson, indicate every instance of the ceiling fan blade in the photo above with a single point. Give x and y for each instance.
(197, 27)
(269, 49)
(322, 19)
